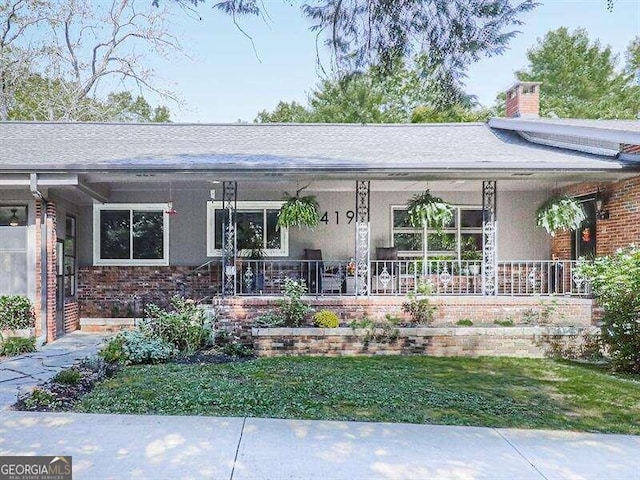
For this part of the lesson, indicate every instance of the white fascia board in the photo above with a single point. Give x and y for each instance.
(44, 180)
(533, 126)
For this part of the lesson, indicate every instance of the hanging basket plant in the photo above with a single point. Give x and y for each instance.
(299, 211)
(560, 214)
(425, 210)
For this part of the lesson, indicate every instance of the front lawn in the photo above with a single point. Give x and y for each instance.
(499, 392)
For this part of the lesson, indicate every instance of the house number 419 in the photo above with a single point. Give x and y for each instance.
(331, 216)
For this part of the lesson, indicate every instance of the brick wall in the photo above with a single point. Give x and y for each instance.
(121, 291)
(531, 342)
(51, 270)
(621, 229)
(71, 317)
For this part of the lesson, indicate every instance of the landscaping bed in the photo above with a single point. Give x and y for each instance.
(497, 392)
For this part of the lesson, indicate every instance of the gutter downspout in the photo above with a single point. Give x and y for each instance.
(44, 293)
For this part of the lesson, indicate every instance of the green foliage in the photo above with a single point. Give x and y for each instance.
(425, 210)
(504, 323)
(134, 347)
(41, 399)
(615, 281)
(299, 211)
(560, 214)
(381, 331)
(465, 322)
(284, 113)
(326, 319)
(484, 391)
(292, 308)
(581, 78)
(69, 376)
(419, 309)
(269, 320)
(231, 345)
(16, 312)
(13, 346)
(186, 327)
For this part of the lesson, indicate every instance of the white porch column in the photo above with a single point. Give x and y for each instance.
(363, 238)
(489, 239)
(229, 241)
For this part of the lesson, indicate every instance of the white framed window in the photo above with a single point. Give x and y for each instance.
(257, 229)
(131, 234)
(460, 240)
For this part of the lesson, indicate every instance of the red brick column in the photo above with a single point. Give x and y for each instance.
(51, 270)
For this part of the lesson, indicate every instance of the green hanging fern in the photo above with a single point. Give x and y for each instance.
(425, 210)
(560, 213)
(299, 211)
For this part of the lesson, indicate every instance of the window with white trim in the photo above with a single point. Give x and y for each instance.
(460, 240)
(131, 234)
(257, 229)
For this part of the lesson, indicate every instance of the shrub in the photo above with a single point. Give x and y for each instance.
(15, 312)
(231, 345)
(615, 281)
(135, 347)
(40, 399)
(326, 319)
(269, 320)
(69, 376)
(186, 327)
(13, 346)
(292, 308)
(419, 308)
(504, 323)
(465, 322)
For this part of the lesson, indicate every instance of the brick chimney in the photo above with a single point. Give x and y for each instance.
(523, 100)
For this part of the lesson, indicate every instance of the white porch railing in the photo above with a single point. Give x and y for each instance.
(393, 277)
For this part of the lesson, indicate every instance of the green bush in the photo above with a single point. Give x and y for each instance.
(16, 312)
(465, 322)
(292, 308)
(504, 323)
(69, 376)
(326, 319)
(269, 320)
(41, 399)
(13, 346)
(615, 281)
(134, 347)
(186, 327)
(418, 305)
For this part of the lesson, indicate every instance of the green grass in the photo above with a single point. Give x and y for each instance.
(499, 392)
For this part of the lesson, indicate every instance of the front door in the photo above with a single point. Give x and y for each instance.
(583, 241)
(60, 297)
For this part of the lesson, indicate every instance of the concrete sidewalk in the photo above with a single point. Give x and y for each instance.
(21, 373)
(157, 447)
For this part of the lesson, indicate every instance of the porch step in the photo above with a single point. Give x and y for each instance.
(106, 324)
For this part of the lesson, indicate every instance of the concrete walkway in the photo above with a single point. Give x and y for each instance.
(21, 373)
(157, 447)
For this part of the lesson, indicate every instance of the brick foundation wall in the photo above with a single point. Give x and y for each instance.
(237, 314)
(526, 342)
(121, 291)
(51, 333)
(621, 229)
(71, 317)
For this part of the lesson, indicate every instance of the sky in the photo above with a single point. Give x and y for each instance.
(225, 80)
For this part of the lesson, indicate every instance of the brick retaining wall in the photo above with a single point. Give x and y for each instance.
(525, 342)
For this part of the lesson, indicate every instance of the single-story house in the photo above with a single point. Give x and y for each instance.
(97, 218)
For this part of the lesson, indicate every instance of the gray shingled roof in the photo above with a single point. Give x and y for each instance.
(308, 147)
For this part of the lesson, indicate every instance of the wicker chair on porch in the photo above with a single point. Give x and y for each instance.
(320, 279)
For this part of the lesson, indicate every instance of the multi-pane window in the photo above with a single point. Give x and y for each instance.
(70, 257)
(131, 234)
(257, 232)
(461, 239)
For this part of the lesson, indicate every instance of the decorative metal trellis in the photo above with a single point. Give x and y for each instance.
(363, 236)
(489, 239)
(229, 240)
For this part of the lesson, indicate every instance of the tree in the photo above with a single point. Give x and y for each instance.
(362, 33)
(404, 94)
(581, 78)
(86, 48)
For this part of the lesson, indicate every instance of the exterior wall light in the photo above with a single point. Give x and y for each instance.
(600, 201)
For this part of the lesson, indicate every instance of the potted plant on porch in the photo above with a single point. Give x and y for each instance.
(299, 211)
(561, 213)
